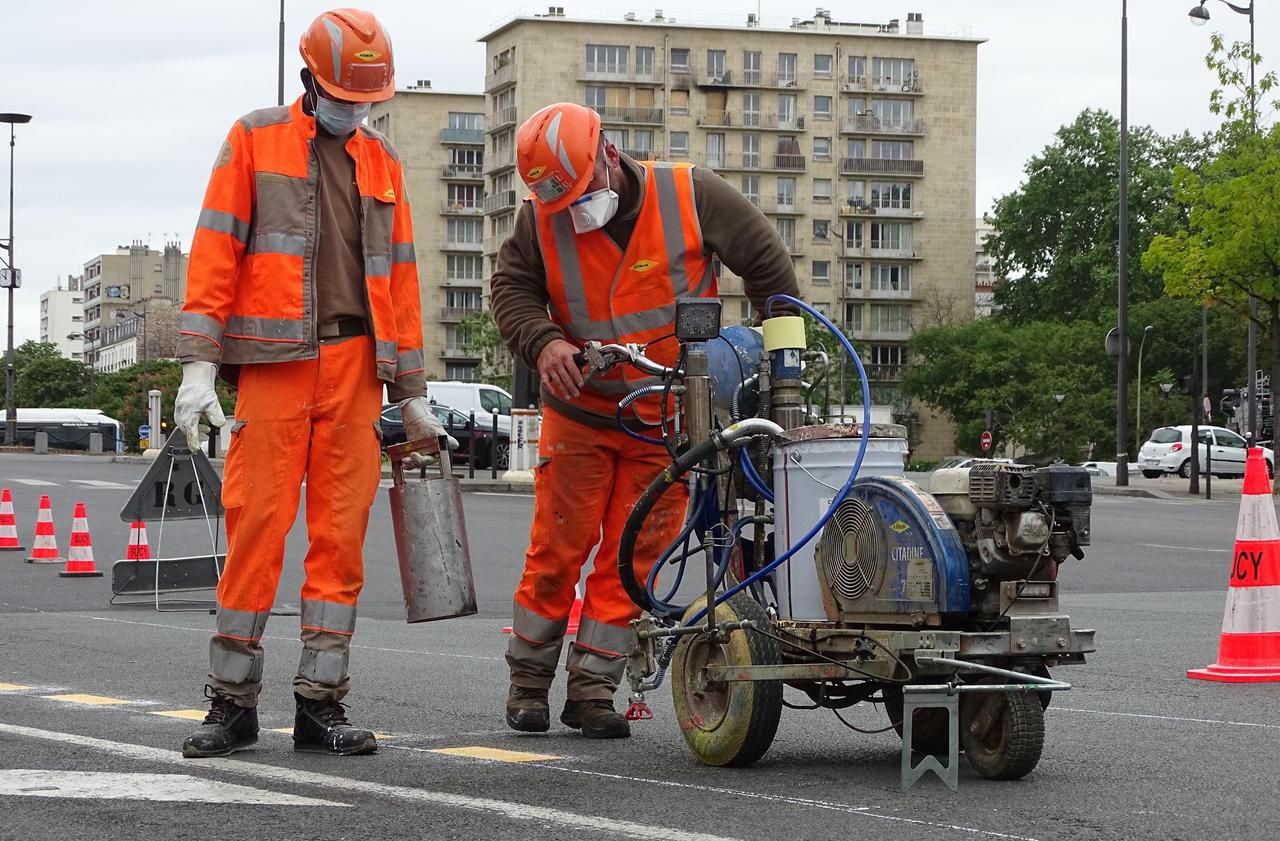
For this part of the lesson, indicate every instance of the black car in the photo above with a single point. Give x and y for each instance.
(456, 423)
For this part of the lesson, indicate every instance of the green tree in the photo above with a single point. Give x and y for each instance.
(47, 379)
(123, 394)
(496, 363)
(1056, 236)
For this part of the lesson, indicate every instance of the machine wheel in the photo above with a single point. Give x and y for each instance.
(928, 727)
(1002, 733)
(730, 723)
(1152, 474)
(1185, 469)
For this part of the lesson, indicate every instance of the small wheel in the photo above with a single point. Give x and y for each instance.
(929, 727)
(501, 454)
(1185, 469)
(1002, 733)
(727, 723)
(1152, 474)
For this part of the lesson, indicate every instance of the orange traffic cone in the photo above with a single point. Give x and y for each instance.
(139, 549)
(575, 613)
(80, 556)
(44, 549)
(1249, 648)
(8, 525)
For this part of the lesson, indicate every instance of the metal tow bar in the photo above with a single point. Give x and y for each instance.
(946, 696)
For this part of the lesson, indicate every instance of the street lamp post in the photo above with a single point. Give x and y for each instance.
(1200, 16)
(1138, 423)
(1122, 316)
(14, 278)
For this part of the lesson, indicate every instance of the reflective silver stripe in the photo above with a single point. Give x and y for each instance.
(377, 265)
(386, 144)
(1252, 610)
(402, 252)
(194, 322)
(224, 223)
(274, 329)
(409, 360)
(327, 667)
(594, 663)
(609, 640)
(233, 665)
(386, 351)
(329, 616)
(278, 242)
(672, 229)
(575, 290)
(335, 43)
(242, 624)
(263, 117)
(536, 629)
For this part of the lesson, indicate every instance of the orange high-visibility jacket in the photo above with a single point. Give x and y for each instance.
(599, 292)
(251, 286)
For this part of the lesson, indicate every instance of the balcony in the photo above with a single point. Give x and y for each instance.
(789, 163)
(453, 315)
(463, 172)
(869, 124)
(863, 84)
(883, 251)
(885, 373)
(858, 208)
(473, 207)
(880, 166)
(468, 136)
(494, 242)
(888, 293)
(780, 205)
(641, 116)
(459, 352)
(500, 78)
(756, 162)
(472, 246)
(855, 249)
(502, 118)
(640, 154)
(751, 121)
(883, 334)
(718, 119)
(748, 79)
(501, 201)
(606, 71)
(499, 161)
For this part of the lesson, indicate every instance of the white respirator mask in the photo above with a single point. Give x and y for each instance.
(593, 211)
(340, 118)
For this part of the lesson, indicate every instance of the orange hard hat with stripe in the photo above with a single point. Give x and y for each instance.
(349, 54)
(556, 153)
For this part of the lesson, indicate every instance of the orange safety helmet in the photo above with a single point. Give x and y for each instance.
(556, 153)
(349, 54)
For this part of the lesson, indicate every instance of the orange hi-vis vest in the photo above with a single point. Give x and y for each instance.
(601, 293)
(251, 285)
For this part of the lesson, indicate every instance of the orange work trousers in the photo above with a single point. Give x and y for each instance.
(316, 418)
(586, 483)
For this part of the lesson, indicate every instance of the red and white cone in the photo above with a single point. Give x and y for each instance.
(8, 524)
(80, 556)
(139, 548)
(1249, 648)
(44, 549)
(575, 613)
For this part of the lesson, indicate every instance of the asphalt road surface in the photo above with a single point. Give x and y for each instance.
(95, 700)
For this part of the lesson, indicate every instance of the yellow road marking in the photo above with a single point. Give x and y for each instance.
(12, 687)
(496, 754)
(288, 731)
(79, 698)
(194, 715)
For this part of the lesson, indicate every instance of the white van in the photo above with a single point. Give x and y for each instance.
(483, 399)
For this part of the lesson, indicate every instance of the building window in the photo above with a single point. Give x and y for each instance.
(787, 231)
(464, 267)
(680, 143)
(893, 150)
(468, 157)
(787, 111)
(856, 148)
(852, 317)
(596, 97)
(644, 62)
(465, 299)
(680, 60)
(822, 148)
(890, 277)
(891, 318)
(467, 121)
(822, 66)
(464, 196)
(888, 354)
(891, 235)
(744, 313)
(715, 64)
(891, 194)
(857, 69)
(786, 193)
(679, 102)
(893, 73)
(892, 112)
(461, 372)
(715, 150)
(616, 136)
(822, 107)
(751, 67)
(465, 231)
(852, 234)
(607, 58)
(751, 188)
(751, 150)
(643, 141)
(820, 271)
(822, 189)
(751, 109)
(821, 230)
(786, 69)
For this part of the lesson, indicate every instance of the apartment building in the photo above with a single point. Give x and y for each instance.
(857, 140)
(121, 286)
(440, 137)
(984, 281)
(62, 318)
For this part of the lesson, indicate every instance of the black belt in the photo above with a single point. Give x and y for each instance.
(344, 327)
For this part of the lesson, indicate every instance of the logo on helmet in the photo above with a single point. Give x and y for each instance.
(535, 173)
(368, 55)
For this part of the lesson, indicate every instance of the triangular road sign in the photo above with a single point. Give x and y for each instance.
(175, 486)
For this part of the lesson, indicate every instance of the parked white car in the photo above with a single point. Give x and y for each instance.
(1106, 469)
(483, 399)
(1168, 450)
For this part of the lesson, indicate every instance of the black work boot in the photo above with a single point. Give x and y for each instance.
(596, 719)
(226, 729)
(322, 725)
(528, 710)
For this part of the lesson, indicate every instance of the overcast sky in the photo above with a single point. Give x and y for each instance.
(131, 98)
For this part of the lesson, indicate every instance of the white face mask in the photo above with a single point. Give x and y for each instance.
(593, 211)
(340, 118)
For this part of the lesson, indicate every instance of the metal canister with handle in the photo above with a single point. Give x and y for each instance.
(431, 534)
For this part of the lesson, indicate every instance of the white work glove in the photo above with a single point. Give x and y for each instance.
(197, 398)
(420, 423)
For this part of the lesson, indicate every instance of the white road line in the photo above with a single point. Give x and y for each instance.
(1182, 548)
(864, 811)
(506, 809)
(103, 484)
(496, 493)
(1056, 708)
(37, 482)
(167, 788)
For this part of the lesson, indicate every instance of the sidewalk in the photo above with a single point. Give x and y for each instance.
(1167, 487)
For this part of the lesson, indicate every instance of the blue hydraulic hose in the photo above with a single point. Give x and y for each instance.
(853, 474)
(697, 521)
(753, 476)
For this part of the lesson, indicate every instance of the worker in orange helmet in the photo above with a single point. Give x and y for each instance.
(601, 250)
(303, 289)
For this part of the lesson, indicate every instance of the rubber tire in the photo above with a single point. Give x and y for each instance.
(1021, 734)
(928, 728)
(1152, 474)
(1184, 470)
(500, 454)
(744, 735)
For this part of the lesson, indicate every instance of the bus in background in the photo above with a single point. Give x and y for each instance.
(68, 429)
